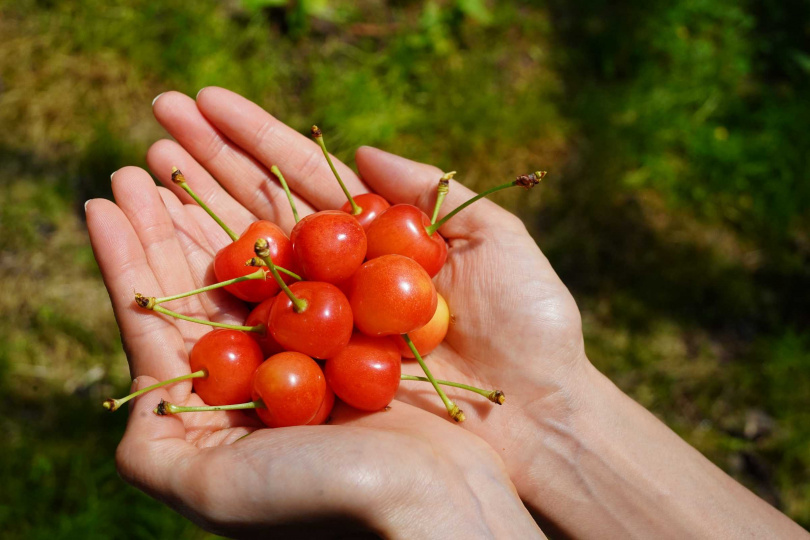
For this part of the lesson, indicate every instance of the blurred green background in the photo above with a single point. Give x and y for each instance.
(676, 134)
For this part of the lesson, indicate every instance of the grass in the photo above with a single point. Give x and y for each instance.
(676, 207)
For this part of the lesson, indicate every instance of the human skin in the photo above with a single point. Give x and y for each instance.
(585, 459)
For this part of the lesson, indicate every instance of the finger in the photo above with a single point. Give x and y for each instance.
(138, 198)
(153, 344)
(165, 154)
(247, 180)
(271, 142)
(153, 446)
(218, 305)
(401, 180)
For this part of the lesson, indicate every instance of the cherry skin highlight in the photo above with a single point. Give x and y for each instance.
(365, 374)
(372, 206)
(329, 246)
(258, 316)
(229, 262)
(429, 336)
(402, 230)
(230, 358)
(390, 295)
(327, 405)
(322, 329)
(292, 387)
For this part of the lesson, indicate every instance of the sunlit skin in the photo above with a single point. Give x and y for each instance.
(322, 329)
(329, 246)
(429, 336)
(292, 387)
(325, 409)
(401, 230)
(231, 358)
(229, 262)
(371, 205)
(391, 295)
(576, 448)
(365, 374)
(259, 315)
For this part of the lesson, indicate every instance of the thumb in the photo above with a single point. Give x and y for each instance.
(402, 180)
(152, 446)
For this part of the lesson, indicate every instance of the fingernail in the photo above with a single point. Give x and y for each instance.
(200, 92)
(113, 174)
(85, 205)
(157, 97)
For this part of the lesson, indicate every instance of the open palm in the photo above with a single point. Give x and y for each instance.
(392, 462)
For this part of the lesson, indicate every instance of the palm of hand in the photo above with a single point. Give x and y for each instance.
(155, 243)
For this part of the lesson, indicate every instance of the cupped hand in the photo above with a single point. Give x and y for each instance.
(399, 473)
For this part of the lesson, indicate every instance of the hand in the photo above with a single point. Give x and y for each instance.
(374, 472)
(583, 456)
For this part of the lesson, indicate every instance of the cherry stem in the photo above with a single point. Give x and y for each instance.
(441, 193)
(150, 302)
(495, 396)
(255, 261)
(164, 407)
(258, 274)
(526, 181)
(317, 134)
(275, 170)
(455, 413)
(262, 250)
(180, 180)
(113, 405)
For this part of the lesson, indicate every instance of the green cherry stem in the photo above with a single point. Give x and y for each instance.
(495, 396)
(164, 407)
(150, 302)
(317, 134)
(262, 250)
(113, 405)
(441, 193)
(255, 261)
(258, 274)
(276, 171)
(180, 180)
(452, 409)
(526, 181)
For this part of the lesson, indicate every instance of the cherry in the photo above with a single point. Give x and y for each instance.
(230, 358)
(391, 294)
(327, 405)
(402, 229)
(329, 246)
(229, 262)
(292, 387)
(366, 373)
(310, 317)
(428, 337)
(371, 205)
(258, 317)
(406, 230)
(365, 207)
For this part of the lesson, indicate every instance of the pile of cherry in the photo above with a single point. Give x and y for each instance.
(337, 306)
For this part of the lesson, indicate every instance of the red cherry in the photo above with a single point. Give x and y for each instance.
(327, 405)
(402, 230)
(365, 374)
(391, 294)
(329, 246)
(429, 336)
(230, 357)
(320, 330)
(258, 316)
(292, 387)
(229, 262)
(372, 206)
